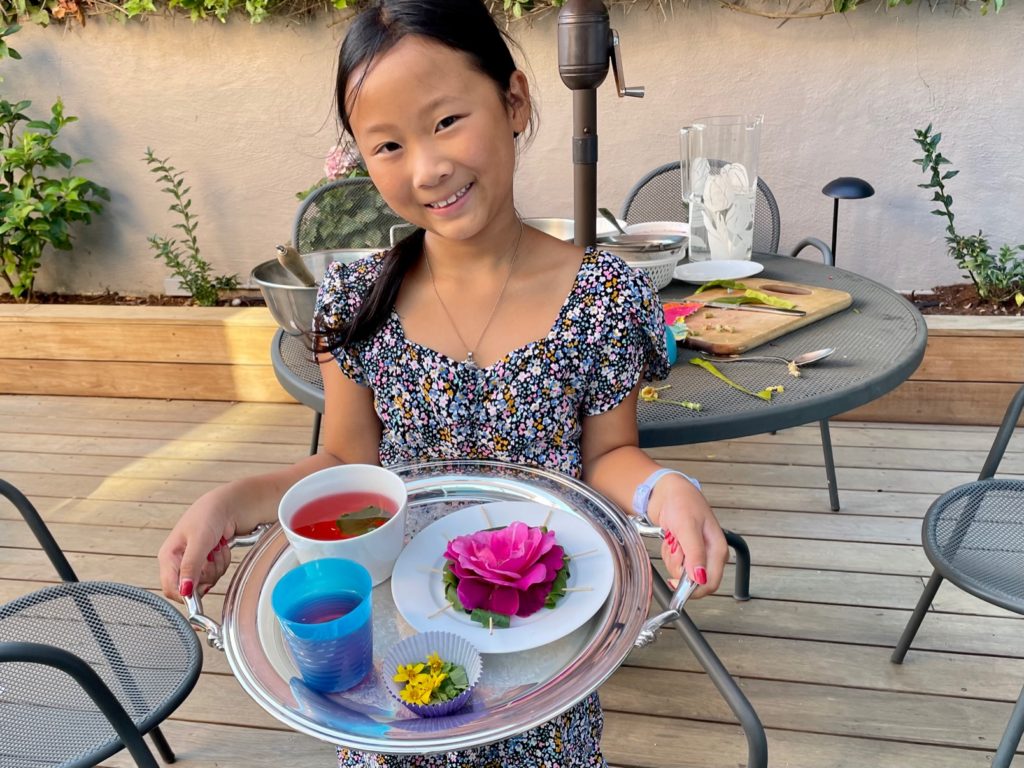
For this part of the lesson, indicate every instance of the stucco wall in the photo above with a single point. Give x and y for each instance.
(247, 112)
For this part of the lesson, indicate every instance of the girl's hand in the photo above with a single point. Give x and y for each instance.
(693, 538)
(196, 554)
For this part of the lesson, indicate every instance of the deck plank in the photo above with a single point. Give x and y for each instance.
(832, 591)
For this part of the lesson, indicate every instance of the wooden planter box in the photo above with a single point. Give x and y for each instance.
(194, 353)
(971, 368)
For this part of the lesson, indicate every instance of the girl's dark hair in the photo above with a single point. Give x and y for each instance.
(465, 26)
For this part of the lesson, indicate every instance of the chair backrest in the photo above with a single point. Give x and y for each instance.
(344, 213)
(39, 529)
(658, 196)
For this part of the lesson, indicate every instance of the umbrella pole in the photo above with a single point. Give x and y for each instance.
(584, 168)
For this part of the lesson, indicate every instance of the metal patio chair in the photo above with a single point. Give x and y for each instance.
(974, 537)
(88, 667)
(658, 197)
(344, 213)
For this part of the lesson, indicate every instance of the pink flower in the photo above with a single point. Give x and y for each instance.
(509, 571)
(341, 161)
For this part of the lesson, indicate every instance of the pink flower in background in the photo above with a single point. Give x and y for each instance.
(509, 571)
(341, 161)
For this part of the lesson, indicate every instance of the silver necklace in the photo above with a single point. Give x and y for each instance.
(470, 361)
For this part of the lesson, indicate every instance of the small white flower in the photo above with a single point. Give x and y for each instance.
(700, 169)
(718, 194)
(737, 177)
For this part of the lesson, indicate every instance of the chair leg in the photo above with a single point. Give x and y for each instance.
(830, 466)
(314, 443)
(1011, 736)
(916, 618)
(160, 742)
(94, 687)
(741, 589)
(757, 741)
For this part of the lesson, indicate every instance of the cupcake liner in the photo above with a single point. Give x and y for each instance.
(415, 649)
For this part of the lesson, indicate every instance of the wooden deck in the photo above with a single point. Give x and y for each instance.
(832, 591)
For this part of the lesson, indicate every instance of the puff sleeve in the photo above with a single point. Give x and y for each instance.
(630, 344)
(341, 292)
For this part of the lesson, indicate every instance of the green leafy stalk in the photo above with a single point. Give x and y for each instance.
(764, 394)
(184, 260)
(997, 276)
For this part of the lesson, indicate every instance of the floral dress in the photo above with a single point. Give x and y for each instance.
(526, 408)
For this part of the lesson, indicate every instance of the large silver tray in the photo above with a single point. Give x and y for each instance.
(519, 691)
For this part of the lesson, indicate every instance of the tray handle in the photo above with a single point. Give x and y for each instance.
(684, 589)
(194, 603)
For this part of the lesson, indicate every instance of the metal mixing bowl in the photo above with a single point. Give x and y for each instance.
(290, 302)
(564, 229)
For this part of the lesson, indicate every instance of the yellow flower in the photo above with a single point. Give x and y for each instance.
(416, 692)
(436, 680)
(650, 394)
(435, 662)
(407, 672)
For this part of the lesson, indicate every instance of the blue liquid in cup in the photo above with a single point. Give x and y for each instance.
(324, 609)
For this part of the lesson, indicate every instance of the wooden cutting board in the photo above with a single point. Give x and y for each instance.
(751, 329)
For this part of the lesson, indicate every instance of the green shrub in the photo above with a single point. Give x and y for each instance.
(998, 276)
(184, 260)
(39, 198)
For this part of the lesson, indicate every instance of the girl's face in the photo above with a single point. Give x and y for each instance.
(437, 137)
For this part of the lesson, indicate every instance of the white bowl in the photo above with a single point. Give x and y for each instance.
(659, 228)
(376, 550)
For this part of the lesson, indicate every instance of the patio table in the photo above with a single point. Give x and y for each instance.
(879, 342)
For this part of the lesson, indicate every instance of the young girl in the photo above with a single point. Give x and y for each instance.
(475, 337)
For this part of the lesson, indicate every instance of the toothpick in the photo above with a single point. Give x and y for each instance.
(582, 554)
(483, 511)
(421, 569)
(578, 589)
(440, 610)
(490, 625)
(546, 519)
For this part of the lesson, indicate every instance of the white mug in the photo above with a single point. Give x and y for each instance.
(376, 550)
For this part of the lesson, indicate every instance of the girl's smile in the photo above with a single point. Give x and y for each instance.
(448, 203)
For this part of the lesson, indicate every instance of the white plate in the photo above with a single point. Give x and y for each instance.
(418, 589)
(700, 272)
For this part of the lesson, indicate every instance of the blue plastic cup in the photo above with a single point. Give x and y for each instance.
(324, 609)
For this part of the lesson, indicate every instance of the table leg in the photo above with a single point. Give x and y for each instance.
(757, 740)
(314, 443)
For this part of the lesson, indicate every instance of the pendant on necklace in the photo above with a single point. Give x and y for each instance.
(469, 360)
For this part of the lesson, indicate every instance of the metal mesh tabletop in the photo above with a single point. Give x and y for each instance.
(879, 342)
(974, 536)
(139, 645)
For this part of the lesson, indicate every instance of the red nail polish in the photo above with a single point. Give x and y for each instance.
(185, 588)
(674, 548)
(209, 556)
(700, 575)
(223, 541)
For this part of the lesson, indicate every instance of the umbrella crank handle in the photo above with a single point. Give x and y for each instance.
(620, 77)
(194, 603)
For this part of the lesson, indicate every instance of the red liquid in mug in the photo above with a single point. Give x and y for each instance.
(324, 608)
(318, 519)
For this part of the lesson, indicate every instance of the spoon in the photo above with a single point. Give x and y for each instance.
(805, 359)
(611, 218)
